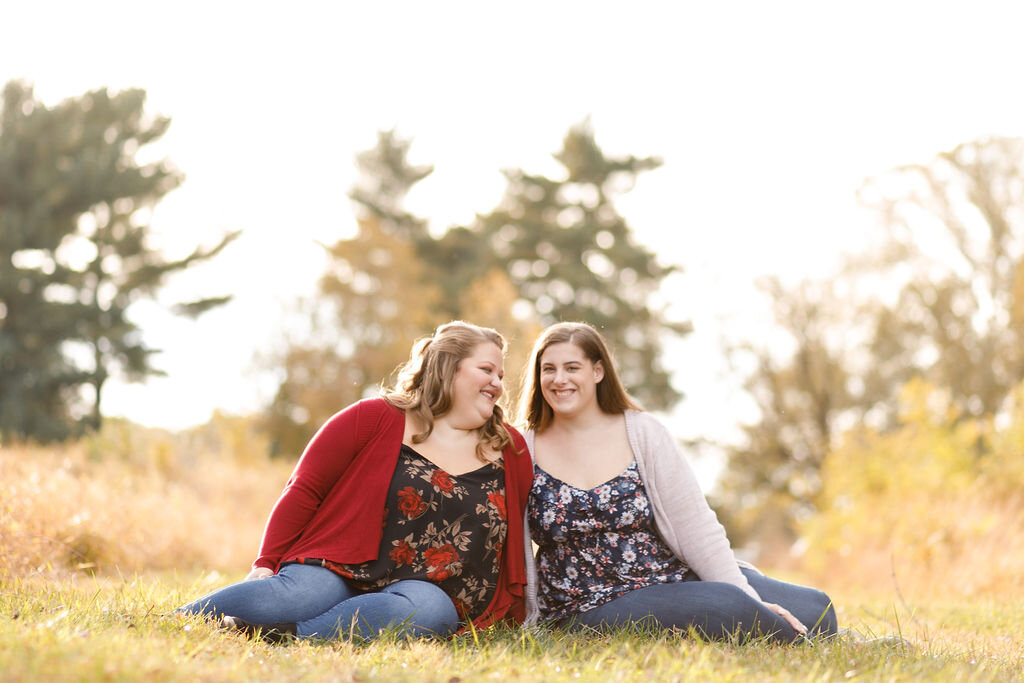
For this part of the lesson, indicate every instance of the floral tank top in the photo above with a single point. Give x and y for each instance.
(439, 527)
(595, 545)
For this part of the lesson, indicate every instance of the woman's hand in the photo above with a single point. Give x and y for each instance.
(259, 573)
(797, 625)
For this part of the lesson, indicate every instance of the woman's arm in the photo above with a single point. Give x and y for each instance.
(685, 520)
(532, 607)
(322, 464)
(688, 524)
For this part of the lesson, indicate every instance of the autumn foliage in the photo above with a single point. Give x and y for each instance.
(932, 507)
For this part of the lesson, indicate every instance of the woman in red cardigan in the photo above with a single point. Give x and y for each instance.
(405, 512)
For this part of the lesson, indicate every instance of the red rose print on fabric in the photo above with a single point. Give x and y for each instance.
(410, 503)
(498, 501)
(439, 561)
(442, 481)
(444, 529)
(402, 553)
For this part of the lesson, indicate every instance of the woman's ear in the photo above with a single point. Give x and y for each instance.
(598, 371)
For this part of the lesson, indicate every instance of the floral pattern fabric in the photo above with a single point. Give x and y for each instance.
(595, 545)
(447, 529)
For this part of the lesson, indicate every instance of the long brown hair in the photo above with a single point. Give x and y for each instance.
(424, 384)
(612, 398)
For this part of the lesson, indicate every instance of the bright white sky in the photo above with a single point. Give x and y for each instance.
(768, 115)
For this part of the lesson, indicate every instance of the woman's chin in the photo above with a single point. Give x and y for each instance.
(563, 408)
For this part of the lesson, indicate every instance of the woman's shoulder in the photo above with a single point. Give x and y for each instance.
(378, 405)
(650, 437)
(370, 407)
(643, 423)
(368, 412)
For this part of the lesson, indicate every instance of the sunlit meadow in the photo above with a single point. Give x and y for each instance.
(102, 539)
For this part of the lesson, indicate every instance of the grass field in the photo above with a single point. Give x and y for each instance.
(101, 540)
(117, 628)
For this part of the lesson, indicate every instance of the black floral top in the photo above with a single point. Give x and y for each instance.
(595, 545)
(444, 528)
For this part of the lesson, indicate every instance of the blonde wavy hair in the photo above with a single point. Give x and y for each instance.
(424, 383)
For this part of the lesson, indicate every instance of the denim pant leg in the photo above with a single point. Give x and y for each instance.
(717, 610)
(809, 605)
(297, 592)
(412, 608)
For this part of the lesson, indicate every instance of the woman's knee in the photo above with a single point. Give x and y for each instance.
(430, 608)
(810, 605)
(822, 616)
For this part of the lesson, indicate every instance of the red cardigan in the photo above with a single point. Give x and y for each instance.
(333, 503)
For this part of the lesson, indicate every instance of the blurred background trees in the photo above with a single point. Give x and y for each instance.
(907, 363)
(554, 249)
(75, 254)
(937, 297)
(800, 384)
(954, 255)
(373, 300)
(572, 257)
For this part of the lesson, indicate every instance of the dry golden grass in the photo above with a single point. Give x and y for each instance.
(131, 500)
(961, 546)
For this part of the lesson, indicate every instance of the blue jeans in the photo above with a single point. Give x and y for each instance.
(717, 610)
(323, 605)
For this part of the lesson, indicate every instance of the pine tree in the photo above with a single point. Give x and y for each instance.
(75, 254)
(385, 179)
(383, 289)
(570, 253)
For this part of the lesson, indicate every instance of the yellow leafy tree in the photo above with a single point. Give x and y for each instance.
(927, 506)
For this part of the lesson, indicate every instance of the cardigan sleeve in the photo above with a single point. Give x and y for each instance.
(684, 519)
(322, 464)
(532, 606)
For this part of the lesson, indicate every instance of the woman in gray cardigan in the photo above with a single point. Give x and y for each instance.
(623, 530)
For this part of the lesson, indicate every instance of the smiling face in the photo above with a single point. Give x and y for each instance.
(568, 380)
(477, 386)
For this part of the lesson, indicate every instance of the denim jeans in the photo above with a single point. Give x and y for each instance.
(717, 610)
(323, 605)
